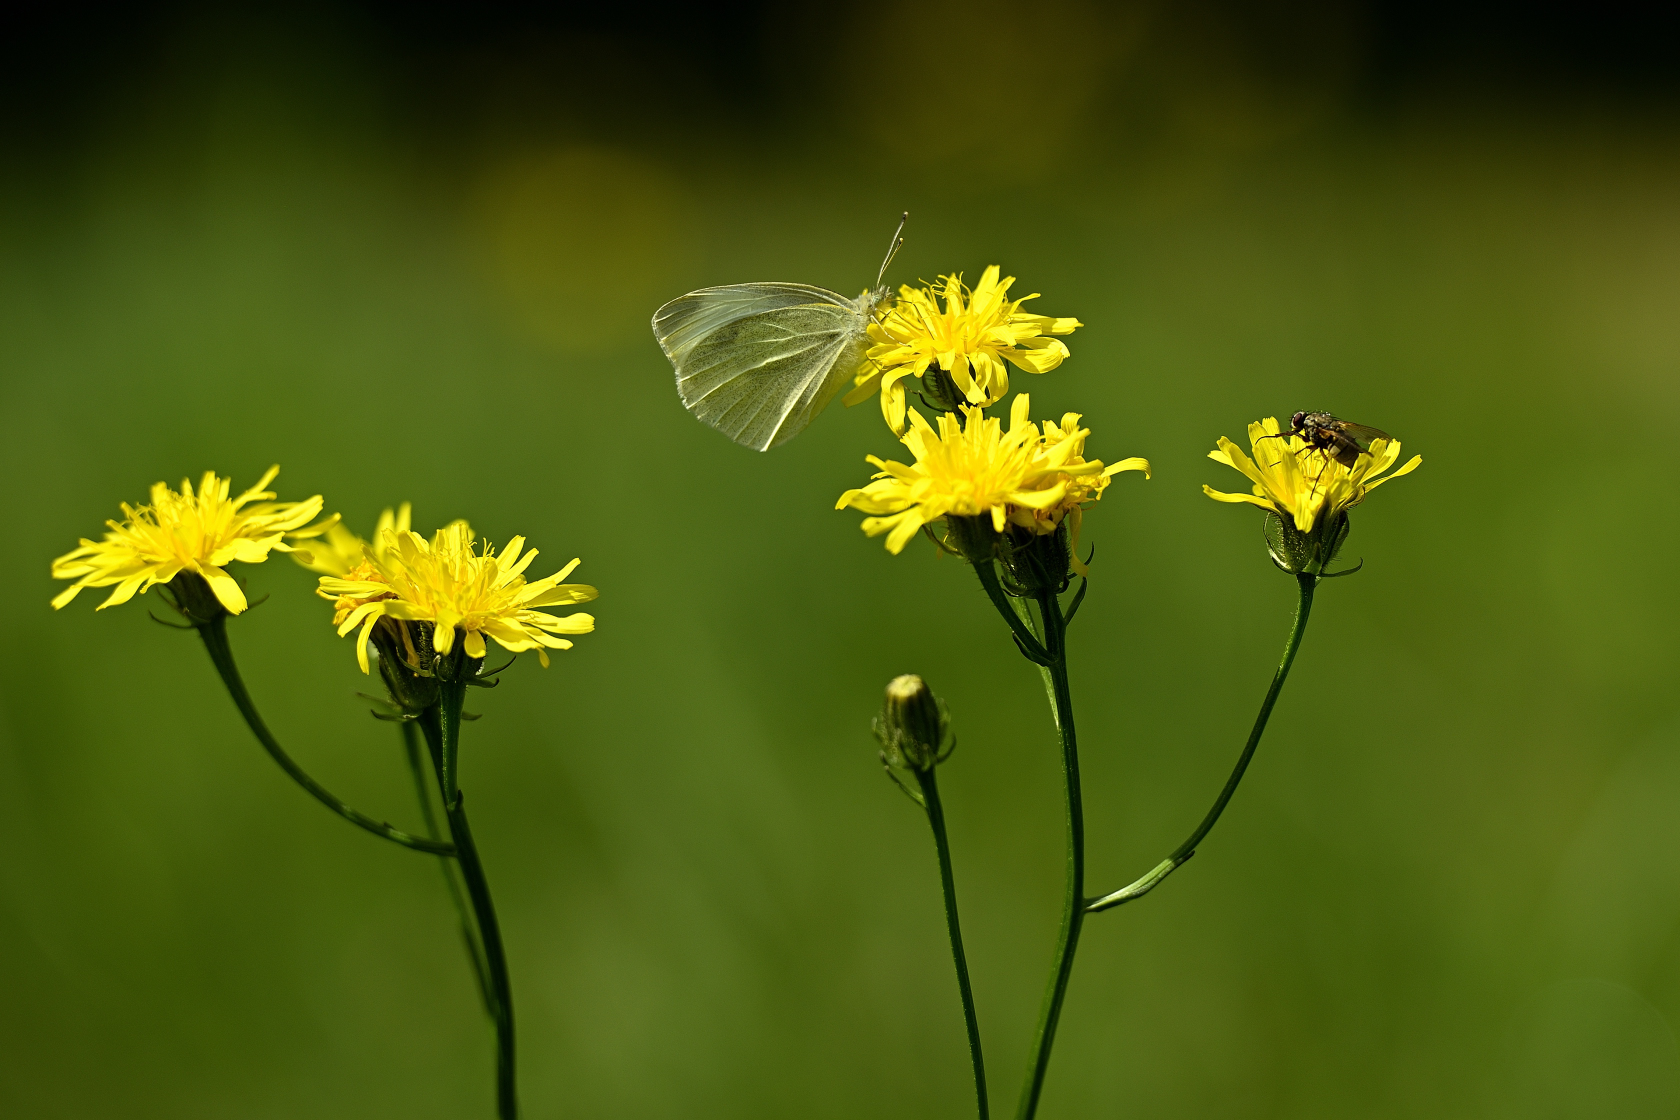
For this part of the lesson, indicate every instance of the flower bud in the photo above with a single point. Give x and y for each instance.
(1297, 552)
(914, 728)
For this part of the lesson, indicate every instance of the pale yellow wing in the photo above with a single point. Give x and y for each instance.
(759, 361)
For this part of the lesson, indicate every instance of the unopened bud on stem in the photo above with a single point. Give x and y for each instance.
(913, 727)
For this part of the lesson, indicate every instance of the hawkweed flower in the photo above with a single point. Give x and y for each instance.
(184, 540)
(981, 477)
(1306, 491)
(429, 606)
(970, 338)
(198, 532)
(451, 585)
(1064, 444)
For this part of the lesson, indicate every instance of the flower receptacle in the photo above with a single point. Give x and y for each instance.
(973, 537)
(939, 391)
(1037, 562)
(405, 660)
(191, 596)
(1306, 553)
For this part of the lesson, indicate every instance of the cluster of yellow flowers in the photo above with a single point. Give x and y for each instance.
(1023, 475)
(1033, 478)
(450, 583)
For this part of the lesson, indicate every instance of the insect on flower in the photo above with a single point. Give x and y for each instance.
(1341, 440)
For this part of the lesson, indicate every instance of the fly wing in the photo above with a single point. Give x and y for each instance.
(759, 361)
(1362, 434)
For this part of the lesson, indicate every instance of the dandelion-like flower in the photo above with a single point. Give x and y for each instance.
(970, 338)
(1020, 475)
(1301, 483)
(456, 585)
(199, 532)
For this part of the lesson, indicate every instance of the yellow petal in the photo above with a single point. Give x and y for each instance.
(1252, 499)
(225, 587)
(1412, 464)
(863, 390)
(1135, 463)
(362, 641)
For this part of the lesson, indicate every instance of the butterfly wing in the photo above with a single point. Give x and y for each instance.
(759, 361)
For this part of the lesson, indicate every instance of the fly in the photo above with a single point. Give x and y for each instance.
(1341, 440)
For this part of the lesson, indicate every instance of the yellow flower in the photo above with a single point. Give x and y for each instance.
(1019, 476)
(343, 551)
(969, 338)
(198, 532)
(1064, 445)
(1293, 478)
(456, 586)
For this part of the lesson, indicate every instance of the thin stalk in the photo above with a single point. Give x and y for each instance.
(495, 960)
(1073, 904)
(469, 935)
(936, 819)
(1308, 583)
(441, 725)
(214, 633)
(1000, 599)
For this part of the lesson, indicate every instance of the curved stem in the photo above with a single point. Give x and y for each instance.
(1073, 905)
(469, 935)
(478, 888)
(936, 819)
(214, 633)
(1308, 582)
(442, 727)
(987, 572)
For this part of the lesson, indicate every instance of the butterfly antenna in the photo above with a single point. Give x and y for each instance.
(893, 248)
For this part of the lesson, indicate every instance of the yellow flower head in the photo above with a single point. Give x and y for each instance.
(456, 585)
(187, 531)
(969, 338)
(1018, 476)
(1293, 478)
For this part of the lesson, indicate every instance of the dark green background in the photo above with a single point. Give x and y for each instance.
(406, 267)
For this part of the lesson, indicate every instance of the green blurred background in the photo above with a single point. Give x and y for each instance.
(410, 252)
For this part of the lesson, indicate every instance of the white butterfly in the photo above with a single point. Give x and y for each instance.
(759, 361)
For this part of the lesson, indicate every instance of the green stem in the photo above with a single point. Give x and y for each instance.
(442, 727)
(452, 694)
(1023, 611)
(214, 633)
(1308, 582)
(1073, 903)
(1035, 651)
(469, 936)
(478, 888)
(936, 818)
